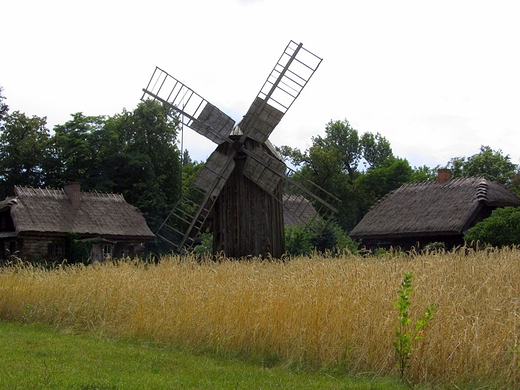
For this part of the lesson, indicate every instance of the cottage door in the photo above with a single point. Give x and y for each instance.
(96, 254)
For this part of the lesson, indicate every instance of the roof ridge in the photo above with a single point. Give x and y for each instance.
(41, 192)
(482, 190)
(56, 193)
(103, 195)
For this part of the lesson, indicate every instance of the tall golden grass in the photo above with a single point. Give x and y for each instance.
(318, 312)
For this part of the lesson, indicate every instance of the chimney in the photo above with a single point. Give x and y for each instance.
(72, 190)
(443, 175)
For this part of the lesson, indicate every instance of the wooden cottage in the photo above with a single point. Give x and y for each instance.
(438, 211)
(37, 224)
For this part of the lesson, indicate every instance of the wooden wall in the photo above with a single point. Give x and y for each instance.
(247, 221)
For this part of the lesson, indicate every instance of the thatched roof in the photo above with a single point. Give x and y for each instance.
(432, 208)
(55, 211)
(297, 210)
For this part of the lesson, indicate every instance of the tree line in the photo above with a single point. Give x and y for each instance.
(135, 153)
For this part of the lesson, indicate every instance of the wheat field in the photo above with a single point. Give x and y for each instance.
(314, 312)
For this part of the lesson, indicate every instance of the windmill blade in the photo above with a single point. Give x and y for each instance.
(189, 215)
(213, 176)
(268, 172)
(289, 76)
(265, 170)
(189, 107)
(260, 120)
(211, 179)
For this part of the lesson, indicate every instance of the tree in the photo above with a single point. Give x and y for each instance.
(490, 163)
(342, 141)
(502, 228)
(376, 149)
(424, 173)
(23, 149)
(146, 168)
(4, 108)
(332, 162)
(380, 180)
(515, 182)
(74, 152)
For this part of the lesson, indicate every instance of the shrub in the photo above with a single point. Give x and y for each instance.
(320, 236)
(502, 228)
(298, 241)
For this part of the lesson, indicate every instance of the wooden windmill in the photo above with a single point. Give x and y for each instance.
(243, 181)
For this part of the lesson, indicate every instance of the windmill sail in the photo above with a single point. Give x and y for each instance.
(189, 107)
(265, 170)
(214, 174)
(188, 217)
(260, 120)
(284, 84)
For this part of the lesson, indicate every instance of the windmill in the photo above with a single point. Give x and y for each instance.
(242, 184)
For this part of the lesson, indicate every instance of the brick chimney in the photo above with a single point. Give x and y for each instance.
(443, 175)
(72, 190)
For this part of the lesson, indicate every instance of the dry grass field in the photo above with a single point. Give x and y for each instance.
(311, 312)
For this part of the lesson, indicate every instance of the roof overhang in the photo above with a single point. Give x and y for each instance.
(404, 235)
(8, 234)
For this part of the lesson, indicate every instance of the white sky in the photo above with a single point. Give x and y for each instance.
(437, 79)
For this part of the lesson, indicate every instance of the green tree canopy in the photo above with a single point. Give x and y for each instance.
(75, 152)
(4, 108)
(386, 177)
(488, 162)
(515, 182)
(333, 161)
(146, 167)
(424, 173)
(23, 148)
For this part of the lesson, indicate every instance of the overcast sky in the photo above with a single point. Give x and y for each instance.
(437, 79)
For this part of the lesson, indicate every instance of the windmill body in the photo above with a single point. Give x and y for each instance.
(247, 219)
(240, 187)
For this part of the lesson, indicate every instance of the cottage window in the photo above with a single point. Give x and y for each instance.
(56, 251)
(6, 222)
(126, 251)
(7, 249)
(107, 251)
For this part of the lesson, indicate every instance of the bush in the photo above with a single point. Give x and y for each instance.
(320, 237)
(77, 250)
(502, 228)
(298, 241)
(205, 248)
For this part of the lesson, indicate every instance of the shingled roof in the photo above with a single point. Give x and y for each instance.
(432, 208)
(69, 210)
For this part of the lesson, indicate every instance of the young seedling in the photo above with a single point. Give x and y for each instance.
(406, 332)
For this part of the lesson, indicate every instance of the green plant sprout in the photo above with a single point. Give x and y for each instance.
(406, 332)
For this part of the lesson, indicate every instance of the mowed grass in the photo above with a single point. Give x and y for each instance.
(333, 315)
(38, 357)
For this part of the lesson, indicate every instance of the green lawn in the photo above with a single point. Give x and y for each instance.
(37, 357)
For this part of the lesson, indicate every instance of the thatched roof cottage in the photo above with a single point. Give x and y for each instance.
(37, 224)
(436, 211)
